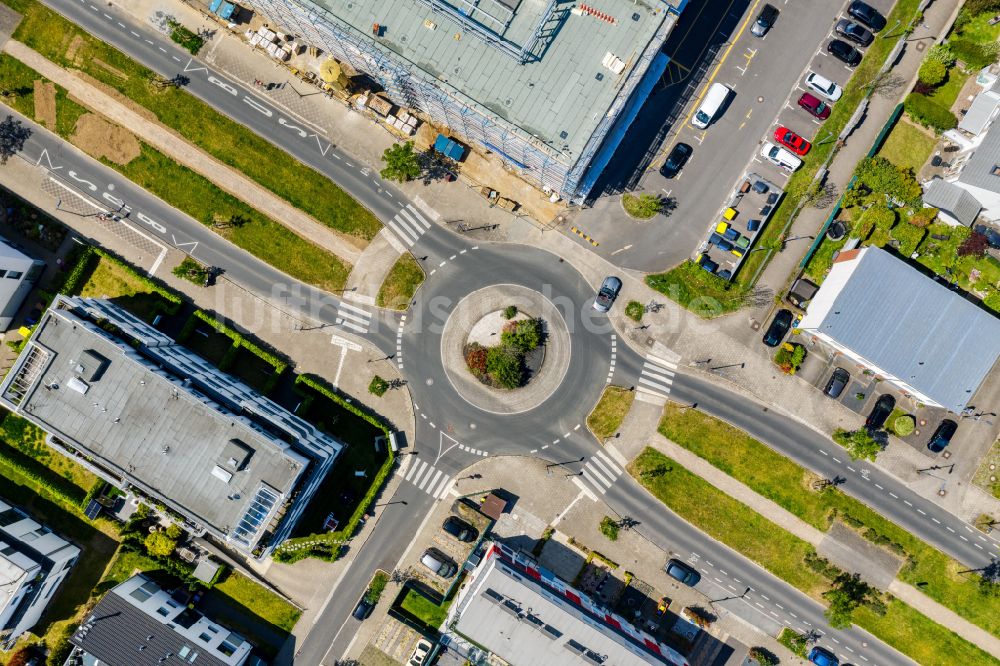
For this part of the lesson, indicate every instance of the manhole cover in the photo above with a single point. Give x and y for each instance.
(649, 342)
(920, 46)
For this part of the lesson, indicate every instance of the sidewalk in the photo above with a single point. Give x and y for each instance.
(849, 559)
(164, 140)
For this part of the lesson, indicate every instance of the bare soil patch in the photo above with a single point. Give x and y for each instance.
(108, 68)
(118, 97)
(73, 50)
(100, 138)
(45, 103)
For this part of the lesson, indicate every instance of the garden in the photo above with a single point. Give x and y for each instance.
(518, 356)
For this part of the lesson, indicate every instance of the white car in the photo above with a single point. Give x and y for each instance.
(824, 86)
(779, 157)
(420, 652)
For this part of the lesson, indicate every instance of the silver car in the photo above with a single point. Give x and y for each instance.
(607, 294)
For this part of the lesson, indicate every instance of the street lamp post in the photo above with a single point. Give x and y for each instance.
(548, 468)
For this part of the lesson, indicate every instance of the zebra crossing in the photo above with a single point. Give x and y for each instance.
(600, 472)
(409, 225)
(428, 478)
(655, 379)
(353, 317)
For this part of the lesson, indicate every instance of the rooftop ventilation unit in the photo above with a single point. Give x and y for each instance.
(78, 385)
(613, 62)
(221, 474)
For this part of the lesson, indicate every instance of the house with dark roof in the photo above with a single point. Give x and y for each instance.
(904, 328)
(138, 623)
(955, 204)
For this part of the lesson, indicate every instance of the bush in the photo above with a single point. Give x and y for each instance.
(925, 111)
(510, 312)
(974, 55)
(504, 366)
(903, 425)
(794, 641)
(609, 528)
(932, 72)
(882, 218)
(158, 544)
(59, 645)
(992, 300)
(974, 246)
(635, 310)
(475, 358)
(525, 335)
(763, 657)
(181, 35)
(192, 271)
(922, 217)
(909, 238)
(174, 531)
(789, 357)
(378, 386)
(643, 207)
(21, 657)
(858, 443)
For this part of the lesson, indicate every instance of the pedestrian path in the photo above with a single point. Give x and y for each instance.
(353, 317)
(428, 478)
(600, 472)
(655, 379)
(409, 224)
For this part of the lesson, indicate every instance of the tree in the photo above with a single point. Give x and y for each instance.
(504, 366)
(13, 134)
(932, 72)
(847, 594)
(763, 656)
(975, 245)
(158, 544)
(643, 206)
(881, 181)
(922, 217)
(989, 579)
(609, 528)
(475, 358)
(858, 443)
(378, 386)
(524, 335)
(21, 657)
(887, 85)
(174, 531)
(401, 163)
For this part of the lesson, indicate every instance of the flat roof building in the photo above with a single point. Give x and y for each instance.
(18, 273)
(137, 623)
(524, 615)
(143, 411)
(34, 560)
(904, 327)
(549, 87)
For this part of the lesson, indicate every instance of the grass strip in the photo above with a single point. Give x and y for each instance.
(424, 609)
(68, 45)
(195, 195)
(260, 601)
(401, 283)
(610, 411)
(784, 482)
(783, 554)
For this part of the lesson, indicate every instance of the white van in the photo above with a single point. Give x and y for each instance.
(710, 105)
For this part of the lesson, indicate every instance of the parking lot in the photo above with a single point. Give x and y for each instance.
(766, 77)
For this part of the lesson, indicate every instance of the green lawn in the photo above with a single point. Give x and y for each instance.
(699, 291)
(946, 94)
(907, 145)
(124, 289)
(401, 283)
(779, 479)
(979, 30)
(610, 411)
(425, 610)
(258, 600)
(30, 440)
(781, 553)
(51, 35)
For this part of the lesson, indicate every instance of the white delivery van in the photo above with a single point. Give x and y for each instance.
(714, 99)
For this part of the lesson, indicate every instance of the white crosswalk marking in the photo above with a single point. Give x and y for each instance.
(656, 377)
(428, 478)
(409, 224)
(353, 317)
(600, 472)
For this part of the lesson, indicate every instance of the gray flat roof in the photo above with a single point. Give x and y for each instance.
(983, 168)
(907, 324)
(135, 420)
(565, 90)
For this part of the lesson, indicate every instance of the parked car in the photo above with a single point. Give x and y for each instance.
(607, 294)
(844, 52)
(854, 31)
(837, 384)
(778, 328)
(867, 15)
(813, 105)
(682, 573)
(824, 86)
(992, 235)
(823, 657)
(676, 160)
(780, 157)
(880, 412)
(802, 292)
(363, 609)
(791, 140)
(942, 436)
(768, 15)
(438, 563)
(419, 656)
(459, 529)
(713, 101)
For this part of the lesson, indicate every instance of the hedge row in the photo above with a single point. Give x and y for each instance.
(46, 483)
(925, 111)
(319, 385)
(239, 342)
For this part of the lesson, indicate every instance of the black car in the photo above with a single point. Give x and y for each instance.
(363, 609)
(854, 31)
(682, 573)
(459, 529)
(942, 436)
(837, 384)
(676, 160)
(607, 294)
(768, 15)
(867, 15)
(778, 328)
(992, 235)
(880, 412)
(844, 52)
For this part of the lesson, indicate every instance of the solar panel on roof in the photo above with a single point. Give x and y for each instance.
(93, 509)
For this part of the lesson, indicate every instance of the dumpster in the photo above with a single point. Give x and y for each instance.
(449, 147)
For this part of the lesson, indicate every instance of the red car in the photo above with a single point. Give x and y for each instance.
(814, 106)
(791, 140)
